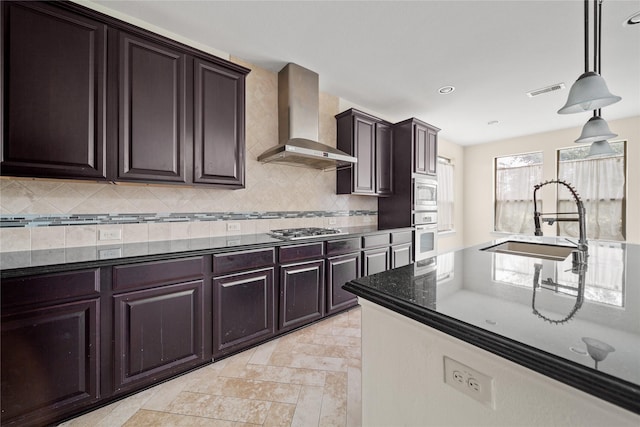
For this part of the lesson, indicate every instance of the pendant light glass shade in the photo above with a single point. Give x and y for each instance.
(589, 92)
(600, 149)
(596, 129)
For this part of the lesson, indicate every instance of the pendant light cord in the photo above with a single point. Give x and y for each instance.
(597, 42)
(586, 36)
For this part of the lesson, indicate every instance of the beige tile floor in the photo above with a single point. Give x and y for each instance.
(307, 378)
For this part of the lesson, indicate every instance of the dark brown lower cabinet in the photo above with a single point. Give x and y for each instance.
(77, 339)
(301, 293)
(340, 270)
(400, 255)
(159, 332)
(243, 311)
(375, 261)
(50, 347)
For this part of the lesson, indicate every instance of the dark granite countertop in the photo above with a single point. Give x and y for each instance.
(22, 263)
(487, 299)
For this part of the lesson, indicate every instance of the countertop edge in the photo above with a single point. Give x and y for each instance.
(606, 387)
(357, 231)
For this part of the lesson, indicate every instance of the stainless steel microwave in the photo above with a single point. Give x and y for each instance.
(425, 194)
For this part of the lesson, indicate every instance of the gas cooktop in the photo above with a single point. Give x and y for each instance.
(304, 233)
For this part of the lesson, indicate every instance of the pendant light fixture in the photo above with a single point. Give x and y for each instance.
(590, 91)
(596, 129)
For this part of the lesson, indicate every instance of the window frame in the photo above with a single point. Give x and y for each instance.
(495, 185)
(625, 161)
(445, 160)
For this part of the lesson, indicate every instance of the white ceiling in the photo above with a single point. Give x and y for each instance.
(390, 57)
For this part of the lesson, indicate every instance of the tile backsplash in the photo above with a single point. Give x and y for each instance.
(269, 188)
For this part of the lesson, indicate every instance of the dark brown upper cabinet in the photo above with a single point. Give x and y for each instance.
(425, 148)
(370, 140)
(219, 140)
(415, 151)
(88, 96)
(151, 111)
(53, 100)
(384, 159)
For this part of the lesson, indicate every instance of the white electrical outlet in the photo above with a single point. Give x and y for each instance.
(233, 226)
(469, 381)
(109, 253)
(115, 234)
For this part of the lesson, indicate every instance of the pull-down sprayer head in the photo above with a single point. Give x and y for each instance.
(538, 216)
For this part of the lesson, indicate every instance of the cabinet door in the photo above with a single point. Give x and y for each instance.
(219, 141)
(158, 332)
(50, 362)
(364, 150)
(301, 293)
(432, 151)
(425, 148)
(375, 261)
(340, 270)
(400, 255)
(151, 111)
(384, 159)
(243, 311)
(53, 101)
(420, 149)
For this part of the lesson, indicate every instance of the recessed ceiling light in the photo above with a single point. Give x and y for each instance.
(493, 122)
(632, 20)
(444, 90)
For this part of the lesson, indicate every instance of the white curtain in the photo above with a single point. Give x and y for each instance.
(514, 198)
(445, 196)
(600, 184)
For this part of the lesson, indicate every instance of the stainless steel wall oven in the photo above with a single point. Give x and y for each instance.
(425, 243)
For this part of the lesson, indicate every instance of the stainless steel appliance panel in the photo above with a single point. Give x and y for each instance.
(425, 194)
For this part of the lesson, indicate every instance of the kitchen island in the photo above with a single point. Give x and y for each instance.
(524, 351)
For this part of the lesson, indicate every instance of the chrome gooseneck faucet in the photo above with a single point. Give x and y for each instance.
(538, 216)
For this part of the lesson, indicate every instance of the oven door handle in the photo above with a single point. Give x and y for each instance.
(426, 227)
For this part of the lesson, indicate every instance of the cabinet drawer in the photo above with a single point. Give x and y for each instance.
(245, 260)
(375, 240)
(344, 246)
(301, 252)
(136, 276)
(50, 287)
(398, 237)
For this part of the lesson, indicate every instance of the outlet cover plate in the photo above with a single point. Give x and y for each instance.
(469, 381)
(110, 234)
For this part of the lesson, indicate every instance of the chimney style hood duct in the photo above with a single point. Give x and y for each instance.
(298, 122)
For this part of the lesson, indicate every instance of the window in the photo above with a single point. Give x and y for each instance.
(515, 177)
(445, 194)
(600, 182)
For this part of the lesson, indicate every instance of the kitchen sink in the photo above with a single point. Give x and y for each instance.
(534, 250)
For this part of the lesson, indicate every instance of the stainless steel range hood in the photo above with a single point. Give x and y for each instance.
(298, 122)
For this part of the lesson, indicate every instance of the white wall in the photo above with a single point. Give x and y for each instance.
(479, 177)
(403, 383)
